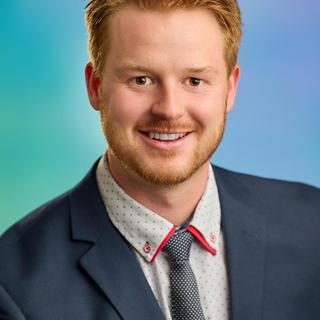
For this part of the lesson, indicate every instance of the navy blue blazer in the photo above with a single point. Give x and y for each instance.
(66, 261)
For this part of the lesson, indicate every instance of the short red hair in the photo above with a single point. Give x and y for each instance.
(98, 12)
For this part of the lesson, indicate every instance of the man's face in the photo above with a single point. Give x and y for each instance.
(165, 92)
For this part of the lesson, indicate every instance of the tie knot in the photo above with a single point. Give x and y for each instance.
(178, 247)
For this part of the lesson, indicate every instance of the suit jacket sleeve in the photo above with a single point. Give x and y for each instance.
(8, 308)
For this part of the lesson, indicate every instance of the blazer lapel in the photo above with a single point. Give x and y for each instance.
(110, 262)
(244, 231)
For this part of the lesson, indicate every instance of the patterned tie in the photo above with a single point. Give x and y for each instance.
(185, 300)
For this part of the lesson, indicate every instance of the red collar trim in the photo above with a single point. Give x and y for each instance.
(163, 243)
(191, 229)
(201, 239)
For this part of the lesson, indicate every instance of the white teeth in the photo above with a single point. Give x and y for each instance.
(165, 136)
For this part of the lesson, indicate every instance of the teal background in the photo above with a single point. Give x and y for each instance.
(50, 136)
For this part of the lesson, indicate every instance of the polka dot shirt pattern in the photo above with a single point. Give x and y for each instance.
(145, 231)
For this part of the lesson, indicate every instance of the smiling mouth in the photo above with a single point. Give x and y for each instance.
(165, 136)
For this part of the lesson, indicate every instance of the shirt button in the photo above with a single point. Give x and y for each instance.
(213, 237)
(147, 247)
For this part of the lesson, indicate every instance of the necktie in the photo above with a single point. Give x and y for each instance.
(185, 300)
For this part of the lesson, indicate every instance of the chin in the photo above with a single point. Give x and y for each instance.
(167, 173)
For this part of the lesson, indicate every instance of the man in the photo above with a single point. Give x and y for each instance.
(154, 231)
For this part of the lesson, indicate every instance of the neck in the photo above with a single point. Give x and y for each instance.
(174, 203)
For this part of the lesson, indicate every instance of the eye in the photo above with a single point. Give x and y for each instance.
(142, 80)
(195, 82)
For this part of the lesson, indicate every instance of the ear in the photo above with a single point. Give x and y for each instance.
(93, 83)
(233, 82)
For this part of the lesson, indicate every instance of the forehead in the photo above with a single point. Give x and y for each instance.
(185, 33)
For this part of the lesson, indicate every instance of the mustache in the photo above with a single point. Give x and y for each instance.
(166, 125)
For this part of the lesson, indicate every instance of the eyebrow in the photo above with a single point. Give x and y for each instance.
(132, 67)
(138, 68)
(205, 69)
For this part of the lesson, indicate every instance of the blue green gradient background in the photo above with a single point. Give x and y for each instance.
(50, 136)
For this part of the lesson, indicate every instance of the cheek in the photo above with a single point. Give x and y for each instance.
(126, 107)
(208, 109)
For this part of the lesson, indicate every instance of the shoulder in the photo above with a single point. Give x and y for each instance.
(288, 213)
(274, 191)
(35, 246)
(36, 237)
(50, 219)
(44, 218)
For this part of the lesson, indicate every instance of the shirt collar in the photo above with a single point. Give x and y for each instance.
(146, 231)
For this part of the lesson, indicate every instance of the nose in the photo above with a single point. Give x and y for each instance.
(168, 104)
